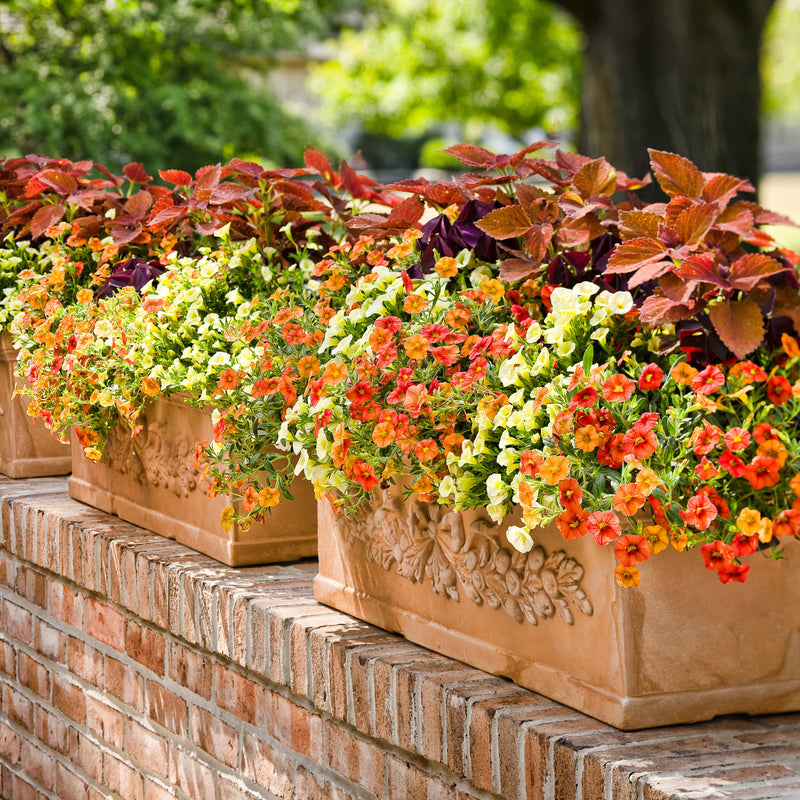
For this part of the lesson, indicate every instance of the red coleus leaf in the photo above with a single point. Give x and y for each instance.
(410, 211)
(206, 181)
(656, 310)
(136, 173)
(739, 324)
(765, 217)
(472, 155)
(675, 174)
(139, 204)
(177, 177)
(595, 177)
(676, 288)
(639, 223)
(634, 254)
(537, 240)
(505, 223)
(737, 219)
(60, 182)
(702, 268)
(650, 272)
(721, 188)
(122, 234)
(571, 162)
(441, 194)
(319, 163)
(694, 223)
(748, 271)
(45, 217)
(228, 192)
(517, 269)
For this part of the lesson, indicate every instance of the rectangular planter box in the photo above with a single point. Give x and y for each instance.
(680, 648)
(27, 448)
(150, 480)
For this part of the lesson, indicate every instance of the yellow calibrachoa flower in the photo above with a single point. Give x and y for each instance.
(269, 497)
(227, 519)
(446, 267)
(657, 538)
(749, 522)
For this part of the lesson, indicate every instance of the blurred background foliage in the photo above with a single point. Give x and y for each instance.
(182, 83)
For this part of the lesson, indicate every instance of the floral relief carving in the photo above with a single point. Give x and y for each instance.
(423, 541)
(151, 458)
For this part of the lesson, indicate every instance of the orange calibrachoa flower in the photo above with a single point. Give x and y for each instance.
(683, 373)
(554, 469)
(416, 347)
(627, 576)
(334, 373)
(572, 523)
(628, 499)
(790, 345)
(618, 388)
(700, 512)
(446, 267)
(779, 390)
(150, 386)
(426, 450)
(586, 438)
(415, 303)
(631, 549)
(269, 497)
(570, 493)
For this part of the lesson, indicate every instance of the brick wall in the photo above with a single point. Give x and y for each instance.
(134, 668)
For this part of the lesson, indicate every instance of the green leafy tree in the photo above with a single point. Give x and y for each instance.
(414, 65)
(165, 82)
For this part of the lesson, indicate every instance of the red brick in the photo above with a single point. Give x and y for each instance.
(324, 620)
(239, 695)
(311, 787)
(124, 683)
(193, 777)
(10, 744)
(268, 767)
(231, 788)
(121, 778)
(294, 726)
(146, 748)
(407, 780)
(17, 622)
(64, 604)
(281, 618)
(33, 675)
(190, 669)
(105, 721)
(358, 760)
(49, 642)
(145, 646)
(85, 661)
(211, 734)
(86, 754)
(18, 708)
(106, 624)
(32, 586)
(69, 698)
(8, 659)
(15, 788)
(50, 730)
(166, 708)
(155, 791)
(69, 786)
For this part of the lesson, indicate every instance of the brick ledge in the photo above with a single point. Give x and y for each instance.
(429, 722)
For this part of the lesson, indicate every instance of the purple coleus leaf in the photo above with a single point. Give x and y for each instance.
(440, 237)
(131, 272)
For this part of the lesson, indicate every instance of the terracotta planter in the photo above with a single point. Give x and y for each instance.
(27, 448)
(680, 648)
(151, 481)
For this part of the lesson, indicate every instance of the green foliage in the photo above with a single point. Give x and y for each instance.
(179, 82)
(780, 66)
(416, 65)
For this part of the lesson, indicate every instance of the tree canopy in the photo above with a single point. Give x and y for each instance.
(177, 82)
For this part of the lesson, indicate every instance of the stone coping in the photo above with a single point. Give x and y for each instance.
(472, 729)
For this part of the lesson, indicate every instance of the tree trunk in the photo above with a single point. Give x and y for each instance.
(677, 75)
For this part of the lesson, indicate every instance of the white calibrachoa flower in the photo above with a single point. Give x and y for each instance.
(219, 359)
(519, 538)
(565, 348)
(534, 332)
(447, 487)
(497, 489)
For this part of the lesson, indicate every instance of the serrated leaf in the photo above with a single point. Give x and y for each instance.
(409, 211)
(177, 177)
(139, 204)
(702, 268)
(656, 310)
(319, 163)
(676, 288)
(675, 174)
(472, 155)
(694, 223)
(739, 324)
(571, 162)
(228, 192)
(45, 217)
(517, 269)
(737, 219)
(634, 254)
(206, 181)
(122, 235)
(537, 240)
(650, 272)
(748, 271)
(60, 182)
(595, 177)
(136, 173)
(505, 223)
(634, 224)
(721, 188)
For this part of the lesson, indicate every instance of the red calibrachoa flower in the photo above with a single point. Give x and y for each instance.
(732, 464)
(651, 377)
(572, 523)
(604, 526)
(584, 398)
(779, 390)
(733, 572)
(762, 471)
(364, 474)
(713, 495)
(737, 438)
(706, 470)
(700, 512)
(708, 380)
(743, 545)
(631, 549)
(763, 432)
(570, 493)
(639, 442)
(717, 554)
(530, 463)
(612, 453)
(426, 450)
(705, 439)
(617, 388)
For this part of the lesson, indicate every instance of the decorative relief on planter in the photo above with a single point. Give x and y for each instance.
(152, 458)
(425, 541)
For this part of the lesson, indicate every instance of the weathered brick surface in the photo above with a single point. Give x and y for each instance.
(131, 667)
